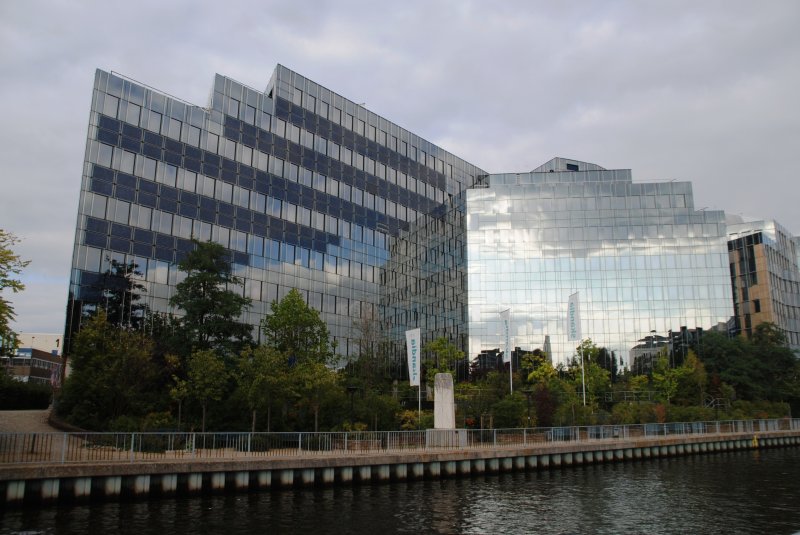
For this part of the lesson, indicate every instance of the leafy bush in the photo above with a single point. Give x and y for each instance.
(16, 395)
(747, 410)
(409, 420)
(689, 414)
(510, 412)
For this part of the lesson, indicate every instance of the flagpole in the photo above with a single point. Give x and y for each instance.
(583, 377)
(511, 372)
(505, 317)
(419, 405)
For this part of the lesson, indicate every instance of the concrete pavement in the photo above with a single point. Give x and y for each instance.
(26, 422)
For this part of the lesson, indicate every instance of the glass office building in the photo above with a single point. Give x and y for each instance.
(305, 188)
(643, 261)
(373, 224)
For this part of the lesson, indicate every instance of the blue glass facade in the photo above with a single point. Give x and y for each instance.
(305, 188)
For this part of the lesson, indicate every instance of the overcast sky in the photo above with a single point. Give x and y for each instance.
(688, 90)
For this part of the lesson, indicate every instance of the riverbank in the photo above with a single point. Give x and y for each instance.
(241, 471)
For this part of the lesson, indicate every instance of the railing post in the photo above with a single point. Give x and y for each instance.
(133, 437)
(524, 437)
(64, 448)
(494, 437)
(299, 443)
(249, 438)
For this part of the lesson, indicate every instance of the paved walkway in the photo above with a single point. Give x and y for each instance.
(25, 422)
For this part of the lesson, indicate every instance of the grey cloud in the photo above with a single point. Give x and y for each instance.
(701, 91)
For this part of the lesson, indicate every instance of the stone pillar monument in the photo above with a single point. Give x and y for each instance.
(444, 433)
(444, 413)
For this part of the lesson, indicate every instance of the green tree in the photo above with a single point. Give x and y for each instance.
(312, 380)
(754, 368)
(596, 378)
(211, 307)
(727, 361)
(380, 410)
(665, 379)
(588, 351)
(446, 356)
(776, 361)
(767, 334)
(691, 381)
(179, 391)
(792, 387)
(413, 420)
(11, 265)
(113, 377)
(530, 360)
(207, 379)
(542, 371)
(472, 400)
(297, 330)
(638, 383)
(510, 411)
(545, 404)
(263, 377)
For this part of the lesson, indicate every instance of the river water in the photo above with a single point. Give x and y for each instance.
(739, 492)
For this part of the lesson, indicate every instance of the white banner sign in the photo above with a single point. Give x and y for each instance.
(412, 346)
(574, 318)
(505, 317)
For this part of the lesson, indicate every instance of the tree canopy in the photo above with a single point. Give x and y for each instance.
(11, 265)
(758, 368)
(113, 378)
(206, 380)
(211, 306)
(297, 330)
(263, 378)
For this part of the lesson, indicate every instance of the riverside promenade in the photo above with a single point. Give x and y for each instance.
(26, 422)
(47, 467)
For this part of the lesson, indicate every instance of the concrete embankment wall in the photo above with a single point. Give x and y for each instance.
(54, 483)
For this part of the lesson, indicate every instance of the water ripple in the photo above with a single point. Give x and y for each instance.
(725, 493)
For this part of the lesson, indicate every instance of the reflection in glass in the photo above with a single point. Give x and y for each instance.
(535, 238)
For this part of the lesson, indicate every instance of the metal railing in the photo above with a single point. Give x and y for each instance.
(22, 448)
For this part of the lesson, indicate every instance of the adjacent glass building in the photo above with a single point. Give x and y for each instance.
(374, 224)
(641, 258)
(765, 278)
(305, 188)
